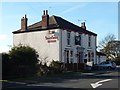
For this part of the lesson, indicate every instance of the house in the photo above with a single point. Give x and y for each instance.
(101, 57)
(55, 38)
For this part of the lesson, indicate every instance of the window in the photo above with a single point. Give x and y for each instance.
(71, 53)
(71, 56)
(89, 41)
(88, 56)
(68, 38)
(78, 40)
(67, 56)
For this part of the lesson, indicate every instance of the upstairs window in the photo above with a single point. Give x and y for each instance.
(68, 38)
(89, 41)
(78, 40)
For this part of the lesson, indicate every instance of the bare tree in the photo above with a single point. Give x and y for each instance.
(114, 49)
(107, 46)
(104, 42)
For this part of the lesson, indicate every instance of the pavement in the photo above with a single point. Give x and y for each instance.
(95, 73)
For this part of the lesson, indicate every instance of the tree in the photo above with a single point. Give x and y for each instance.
(6, 65)
(110, 47)
(23, 59)
(115, 49)
(104, 42)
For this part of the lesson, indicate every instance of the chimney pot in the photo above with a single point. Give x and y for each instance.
(46, 12)
(25, 16)
(43, 12)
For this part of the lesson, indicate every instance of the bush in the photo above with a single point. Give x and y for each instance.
(6, 65)
(117, 61)
(42, 70)
(56, 67)
(21, 61)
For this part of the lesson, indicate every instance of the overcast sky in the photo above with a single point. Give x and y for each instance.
(101, 17)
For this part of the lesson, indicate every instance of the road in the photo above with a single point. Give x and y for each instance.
(106, 79)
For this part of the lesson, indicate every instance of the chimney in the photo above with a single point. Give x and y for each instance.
(83, 25)
(24, 23)
(45, 19)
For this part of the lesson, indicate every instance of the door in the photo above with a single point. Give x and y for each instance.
(80, 57)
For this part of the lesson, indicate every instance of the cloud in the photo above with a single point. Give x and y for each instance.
(4, 49)
(74, 8)
(3, 37)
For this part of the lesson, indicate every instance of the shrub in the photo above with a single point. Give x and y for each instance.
(56, 67)
(20, 61)
(117, 60)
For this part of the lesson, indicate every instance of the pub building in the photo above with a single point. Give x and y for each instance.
(57, 39)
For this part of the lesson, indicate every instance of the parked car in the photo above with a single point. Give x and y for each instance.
(106, 65)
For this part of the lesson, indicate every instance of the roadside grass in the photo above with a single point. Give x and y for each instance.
(66, 74)
(4, 80)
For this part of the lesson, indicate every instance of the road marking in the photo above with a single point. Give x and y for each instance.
(99, 83)
(45, 84)
(22, 83)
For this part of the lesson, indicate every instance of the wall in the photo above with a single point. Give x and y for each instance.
(100, 59)
(89, 49)
(38, 41)
(55, 50)
(84, 43)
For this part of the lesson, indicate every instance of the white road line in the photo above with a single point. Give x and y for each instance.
(99, 83)
(45, 84)
(22, 83)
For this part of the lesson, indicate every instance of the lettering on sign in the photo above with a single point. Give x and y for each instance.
(51, 38)
(49, 41)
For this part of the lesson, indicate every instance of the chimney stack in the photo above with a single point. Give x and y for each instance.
(24, 23)
(45, 19)
(83, 25)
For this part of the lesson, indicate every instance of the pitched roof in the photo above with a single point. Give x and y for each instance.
(56, 22)
(100, 53)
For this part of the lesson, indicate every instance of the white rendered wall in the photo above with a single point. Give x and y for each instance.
(55, 50)
(89, 49)
(38, 41)
(84, 43)
(100, 59)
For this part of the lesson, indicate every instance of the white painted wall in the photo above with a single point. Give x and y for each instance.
(89, 49)
(84, 43)
(38, 41)
(55, 50)
(100, 59)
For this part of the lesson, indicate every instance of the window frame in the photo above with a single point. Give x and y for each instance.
(68, 37)
(80, 40)
(89, 41)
